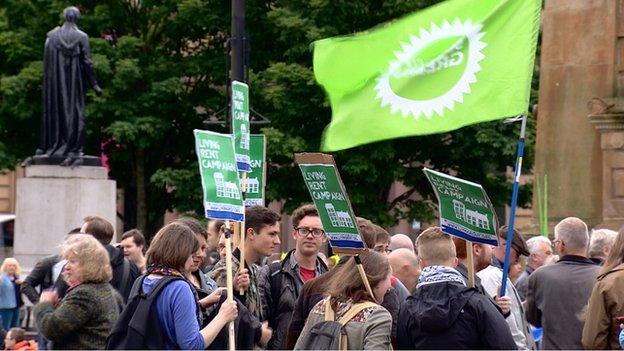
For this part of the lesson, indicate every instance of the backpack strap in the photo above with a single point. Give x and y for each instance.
(276, 275)
(329, 311)
(137, 287)
(125, 277)
(162, 282)
(354, 310)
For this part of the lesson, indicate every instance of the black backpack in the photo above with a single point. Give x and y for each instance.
(138, 327)
(330, 334)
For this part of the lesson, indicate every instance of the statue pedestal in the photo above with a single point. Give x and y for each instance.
(52, 200)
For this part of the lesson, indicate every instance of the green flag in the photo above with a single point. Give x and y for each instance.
(457, 63)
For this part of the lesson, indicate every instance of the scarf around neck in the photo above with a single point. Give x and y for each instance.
(160, 269)
(439, 274)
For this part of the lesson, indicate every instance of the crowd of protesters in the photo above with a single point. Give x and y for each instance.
(422, 294)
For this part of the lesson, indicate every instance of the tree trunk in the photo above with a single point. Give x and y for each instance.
(141, 201)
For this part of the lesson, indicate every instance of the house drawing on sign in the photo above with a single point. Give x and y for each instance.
(244, 135)
(339, 218)
(253, 186)
(226, 189)
(475, 218)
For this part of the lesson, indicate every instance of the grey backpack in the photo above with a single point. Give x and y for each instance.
(330, 334)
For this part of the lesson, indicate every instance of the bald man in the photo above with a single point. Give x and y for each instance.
(405, 267)
(398, 241)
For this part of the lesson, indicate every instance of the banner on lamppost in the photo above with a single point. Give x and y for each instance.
(256, 179)
(240, 125)
(220, 182)
(465, 209)
(332, 203)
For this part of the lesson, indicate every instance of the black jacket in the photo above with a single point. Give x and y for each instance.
(448, 315)
(41, 276)
(117, 264)
(278, 309)
(247, 327)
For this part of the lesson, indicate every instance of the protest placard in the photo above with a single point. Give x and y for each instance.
(220, 183)
(332, 203)
(240, 125)
(256, 179)
(465, 209)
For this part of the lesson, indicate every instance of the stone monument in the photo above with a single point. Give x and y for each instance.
(580, 149)
(61, 185)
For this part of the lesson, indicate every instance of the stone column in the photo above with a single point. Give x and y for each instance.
(578, 62)
(611, 129)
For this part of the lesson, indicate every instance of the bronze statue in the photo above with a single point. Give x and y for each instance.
(67, 69)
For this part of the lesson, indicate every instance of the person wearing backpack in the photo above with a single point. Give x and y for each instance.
(249, 330)
(176, 306)
(349, 318)
(281, 282)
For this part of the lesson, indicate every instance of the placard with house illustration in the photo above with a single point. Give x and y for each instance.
(219, 175)
(240, 125)
(332, 203)
(256, 179)
(465, 209)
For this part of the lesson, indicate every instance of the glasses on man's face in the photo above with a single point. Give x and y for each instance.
(316, 232)
(382, 249)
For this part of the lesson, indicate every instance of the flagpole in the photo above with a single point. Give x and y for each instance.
(514, 203)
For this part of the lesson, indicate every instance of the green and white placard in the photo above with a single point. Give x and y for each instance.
(256, 179)
(220, 182)
(465, 209)
(332, 203)
(240, 125)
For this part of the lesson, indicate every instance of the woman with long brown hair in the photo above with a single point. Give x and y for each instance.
(370, 328)
(177, 306)
(606, 303)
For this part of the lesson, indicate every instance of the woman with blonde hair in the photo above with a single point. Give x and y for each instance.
(10, 295)
(367, 328)
(87, 313)
(606, 303)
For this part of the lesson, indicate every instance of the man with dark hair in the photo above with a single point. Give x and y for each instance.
(214, 233)
(124, 271)
(262, 231)
(282, 281)
(443, 313)
(133, 245)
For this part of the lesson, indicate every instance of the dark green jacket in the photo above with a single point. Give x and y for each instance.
(83, 319)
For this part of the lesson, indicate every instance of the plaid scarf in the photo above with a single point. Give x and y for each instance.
(438, 274)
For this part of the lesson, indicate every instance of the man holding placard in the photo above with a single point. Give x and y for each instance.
(261, 238)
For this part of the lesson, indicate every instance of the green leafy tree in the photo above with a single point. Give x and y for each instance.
(163, 67)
